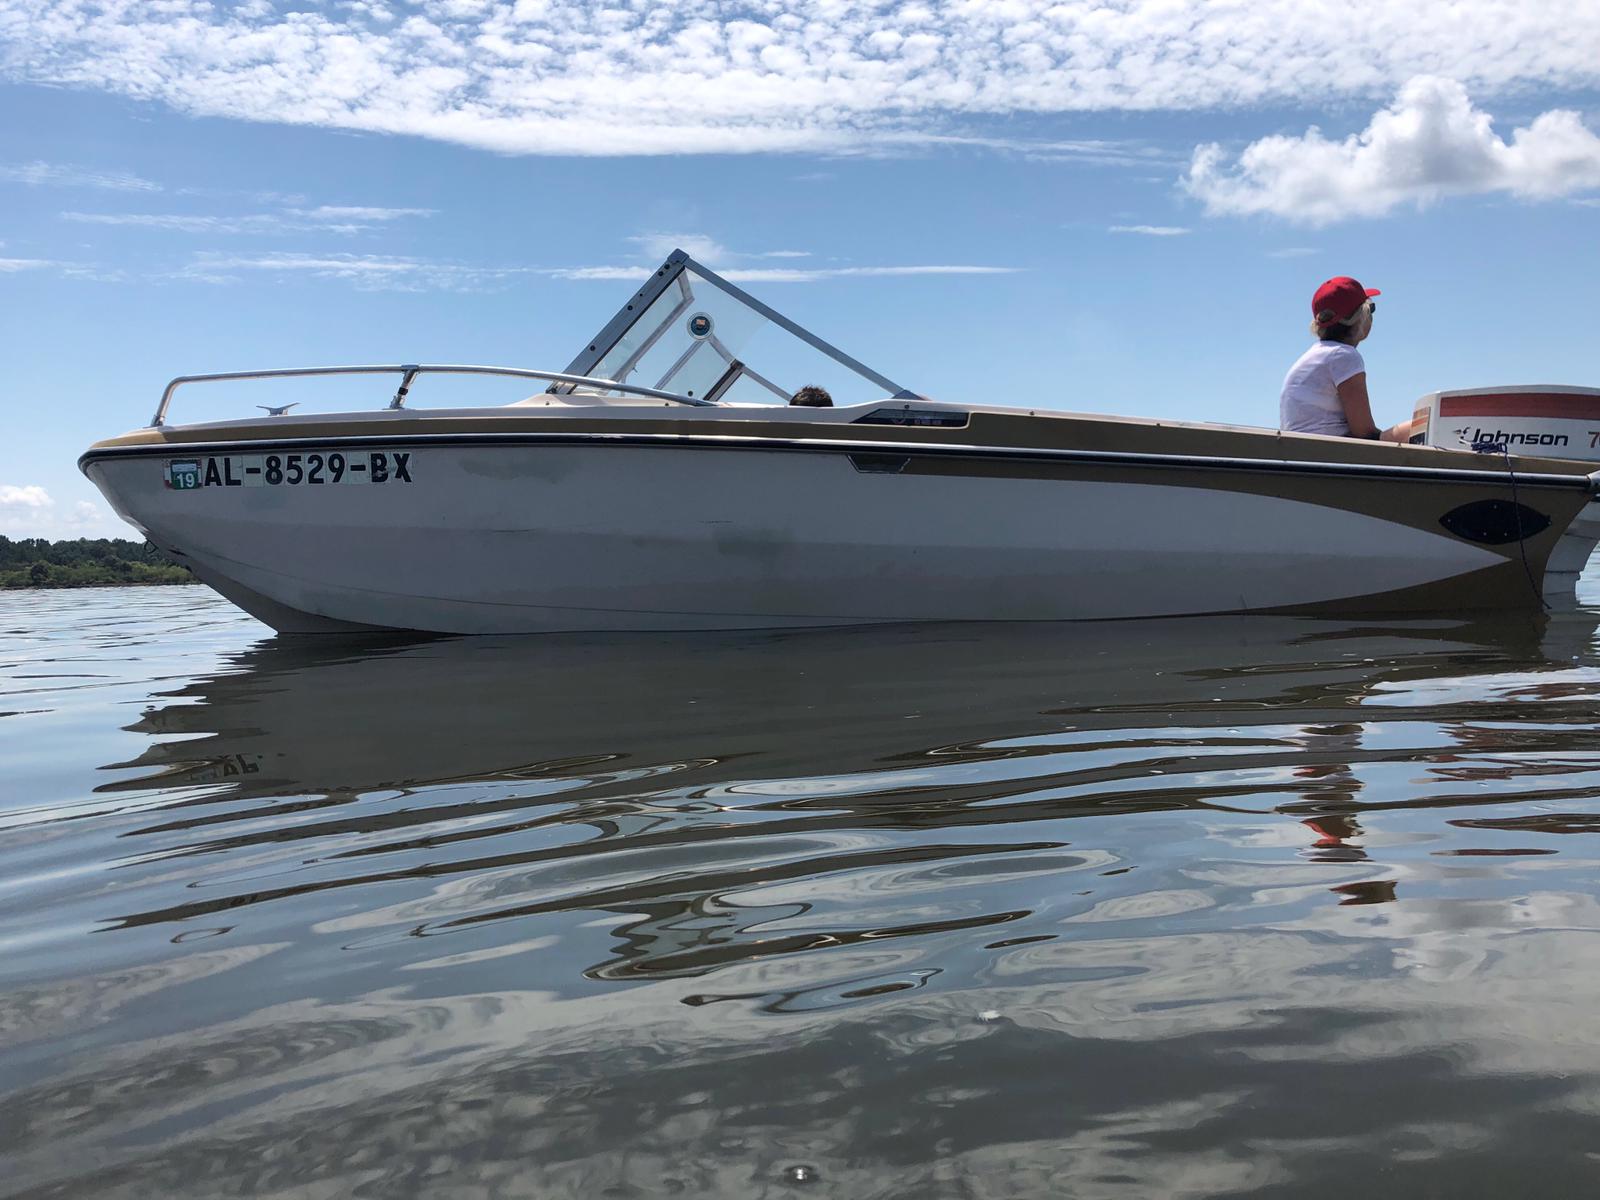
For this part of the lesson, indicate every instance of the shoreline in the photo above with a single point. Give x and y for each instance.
(27, 563)
(73, 585)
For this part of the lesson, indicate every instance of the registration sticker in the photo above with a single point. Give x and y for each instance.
(182, 474)
(316, 469)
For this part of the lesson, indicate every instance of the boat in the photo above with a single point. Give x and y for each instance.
(662, 482)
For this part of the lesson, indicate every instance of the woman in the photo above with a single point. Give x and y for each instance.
(1326, 390)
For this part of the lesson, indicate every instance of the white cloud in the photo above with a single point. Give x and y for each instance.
(702, 248)
(784, 274)
(381, 272)
(1292, 252)
(345, 264)
(626, 274)
(705, 249)
(24, 496)
(359, 213)
(83, 515)
(1092, 153)
(368, 272)
(326, 219)
(573, 77)
(253, 197)
(28, 510)
(1151, 230)
(68, 270)
(182, 222)
(1430, 143)
(65, 175)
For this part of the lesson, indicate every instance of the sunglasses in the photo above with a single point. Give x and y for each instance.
(1372, 306)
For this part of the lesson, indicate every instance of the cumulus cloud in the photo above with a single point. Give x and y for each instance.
(28, 510)
(24, 496)
(1430, 143)
(682, 76)
(83, 515)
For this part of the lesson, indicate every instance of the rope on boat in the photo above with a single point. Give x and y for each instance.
(1502, 448)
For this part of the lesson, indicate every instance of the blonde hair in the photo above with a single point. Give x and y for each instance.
(1351, 329)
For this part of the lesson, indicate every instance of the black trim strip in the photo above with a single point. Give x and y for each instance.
(914, 450)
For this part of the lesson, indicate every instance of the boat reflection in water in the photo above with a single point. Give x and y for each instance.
(1181, 908)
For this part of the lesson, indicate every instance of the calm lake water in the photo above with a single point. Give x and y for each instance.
(1186, 908)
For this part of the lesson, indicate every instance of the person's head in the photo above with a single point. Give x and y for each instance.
(811, 396)
(1342, 309)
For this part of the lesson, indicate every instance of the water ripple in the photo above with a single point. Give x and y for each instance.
(1176, 908)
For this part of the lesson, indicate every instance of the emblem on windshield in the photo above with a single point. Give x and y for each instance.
(700, 325)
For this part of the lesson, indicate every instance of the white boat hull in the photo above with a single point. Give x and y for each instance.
(530, 538)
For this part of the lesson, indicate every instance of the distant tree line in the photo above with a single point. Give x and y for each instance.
(84, 562)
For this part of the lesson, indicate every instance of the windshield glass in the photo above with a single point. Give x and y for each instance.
(684, 342)
(690, 332)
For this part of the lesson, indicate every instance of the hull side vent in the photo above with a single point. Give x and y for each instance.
(1494, 522)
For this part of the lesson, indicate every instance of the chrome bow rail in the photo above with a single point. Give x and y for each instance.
(409, 371)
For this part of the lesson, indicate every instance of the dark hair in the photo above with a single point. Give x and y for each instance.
(811, 396)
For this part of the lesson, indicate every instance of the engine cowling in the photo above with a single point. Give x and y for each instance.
(1544, 420)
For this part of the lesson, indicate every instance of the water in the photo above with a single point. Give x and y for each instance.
(1185, 908)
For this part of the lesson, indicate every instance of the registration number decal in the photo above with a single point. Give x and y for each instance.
(288, 470)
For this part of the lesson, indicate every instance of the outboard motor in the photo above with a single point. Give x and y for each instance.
(1543, 420)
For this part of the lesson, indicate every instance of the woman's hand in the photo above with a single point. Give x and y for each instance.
(1398, 433)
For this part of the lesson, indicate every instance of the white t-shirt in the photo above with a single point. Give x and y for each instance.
(1310, 399)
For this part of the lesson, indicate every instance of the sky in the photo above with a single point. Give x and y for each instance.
(1116, 206)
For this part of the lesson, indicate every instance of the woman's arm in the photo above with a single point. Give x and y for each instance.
(1357, 407)
(1358, 413)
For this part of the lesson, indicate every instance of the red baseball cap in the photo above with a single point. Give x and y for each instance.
(1341, 296)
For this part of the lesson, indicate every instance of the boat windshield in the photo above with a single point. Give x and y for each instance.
(689, 331)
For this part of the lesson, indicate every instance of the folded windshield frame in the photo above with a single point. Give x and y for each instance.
(659, 306)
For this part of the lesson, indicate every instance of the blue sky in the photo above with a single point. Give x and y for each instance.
(1116, 207)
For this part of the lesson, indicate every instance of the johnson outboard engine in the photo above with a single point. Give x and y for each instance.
(1542, 420)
